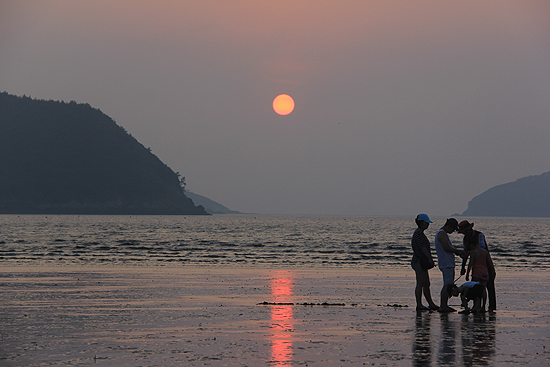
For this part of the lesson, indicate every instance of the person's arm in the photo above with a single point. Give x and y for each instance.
(464, 300)
(482, 241)
(464, 260)
(427, 254)
(490, 265)
(473, 256)
(443, 239)
(464, 256)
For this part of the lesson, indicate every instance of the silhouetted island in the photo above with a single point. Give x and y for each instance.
(211, 206)
(526, 197)
(70, 158)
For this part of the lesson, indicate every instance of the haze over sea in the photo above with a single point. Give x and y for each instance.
(251, 240)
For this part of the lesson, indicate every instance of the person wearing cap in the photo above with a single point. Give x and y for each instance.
(421, 247)
(446, 260)
(471, 238)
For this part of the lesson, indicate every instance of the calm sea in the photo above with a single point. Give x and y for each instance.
(251, 240)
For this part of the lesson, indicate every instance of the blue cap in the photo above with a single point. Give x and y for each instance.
(424, 217)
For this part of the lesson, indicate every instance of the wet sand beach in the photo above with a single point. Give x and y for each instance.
(229, 316)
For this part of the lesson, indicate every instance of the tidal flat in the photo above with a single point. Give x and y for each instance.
(243, 316)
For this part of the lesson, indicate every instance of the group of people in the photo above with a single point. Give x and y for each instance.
(480, 265)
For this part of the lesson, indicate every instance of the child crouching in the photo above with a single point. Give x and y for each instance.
(469, 291)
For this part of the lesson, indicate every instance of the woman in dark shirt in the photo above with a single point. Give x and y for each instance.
(421, 247)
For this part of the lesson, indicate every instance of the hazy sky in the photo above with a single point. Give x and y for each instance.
(401, 106)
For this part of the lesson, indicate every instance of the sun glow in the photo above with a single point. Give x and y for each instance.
(281, 319)
(283, 104)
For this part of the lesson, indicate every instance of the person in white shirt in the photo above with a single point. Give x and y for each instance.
(446, 260)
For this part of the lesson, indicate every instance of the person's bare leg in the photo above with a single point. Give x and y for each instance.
(444, 297)
(477, 305)
(428, 296)
(420, 279)
(423, 287)
(444, 307)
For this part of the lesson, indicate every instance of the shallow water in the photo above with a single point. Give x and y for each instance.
(251, 240)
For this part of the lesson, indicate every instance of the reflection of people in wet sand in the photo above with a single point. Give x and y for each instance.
(422, 351)
(447, 343)
(478, 340)
(469, 291)
(446, 260)
(472, 236)
(421, 248)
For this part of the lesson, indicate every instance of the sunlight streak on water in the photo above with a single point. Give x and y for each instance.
(281, 319)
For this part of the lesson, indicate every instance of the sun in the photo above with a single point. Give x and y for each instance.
(283, 104)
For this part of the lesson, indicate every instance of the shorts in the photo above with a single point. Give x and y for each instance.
(448, 275)
(417, 268)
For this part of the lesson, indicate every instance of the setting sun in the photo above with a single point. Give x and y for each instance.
(283, 104)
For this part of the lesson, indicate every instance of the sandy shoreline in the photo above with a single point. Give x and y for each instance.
(195, 316)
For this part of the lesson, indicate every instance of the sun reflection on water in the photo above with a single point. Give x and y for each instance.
(281, 319)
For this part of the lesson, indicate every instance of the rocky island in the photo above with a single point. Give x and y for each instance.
(70, 158)
(525, 197)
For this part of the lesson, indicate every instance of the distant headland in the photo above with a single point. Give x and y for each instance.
(70, 158)
(525, 197)
(211, 206)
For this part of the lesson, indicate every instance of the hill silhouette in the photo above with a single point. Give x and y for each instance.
(70, 158)
(525, 197)
(211, 206)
